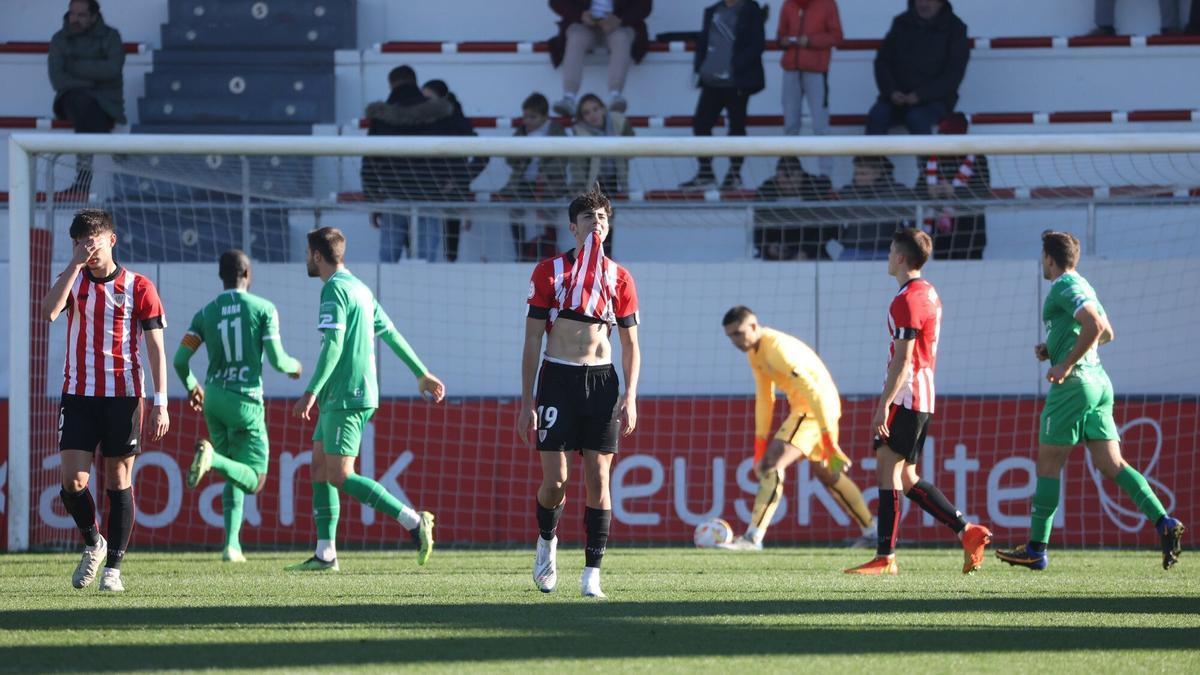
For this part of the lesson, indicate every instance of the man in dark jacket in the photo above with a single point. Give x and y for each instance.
(85, 61)
(407, 112)
(919, 68)
(868, 231)
(584, 24)
(786, 233)
(728, 69)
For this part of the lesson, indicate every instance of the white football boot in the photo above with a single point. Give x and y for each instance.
(110, 580)
(545, 565)
(590, 583)
(85, 571)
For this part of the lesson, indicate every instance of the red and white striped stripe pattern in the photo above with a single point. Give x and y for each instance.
(102, 338)
(593, 283)
(918, 308)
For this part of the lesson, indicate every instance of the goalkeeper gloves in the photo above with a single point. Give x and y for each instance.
(831, 455)
(760, 449)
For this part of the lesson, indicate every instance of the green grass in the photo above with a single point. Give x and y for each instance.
(669, 609)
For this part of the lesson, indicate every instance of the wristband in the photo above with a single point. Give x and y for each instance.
(160, 398)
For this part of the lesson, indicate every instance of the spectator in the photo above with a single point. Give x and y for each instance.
(620, 24)
(612, 173)
(865, 236)
(959, 230)
(85, 61)
(535, 179)
(1106, 25)
(786, 233)
(919, 68)
(728, 69)
(1193, 24)
(808, 31)
(462, 170)
(408, 113)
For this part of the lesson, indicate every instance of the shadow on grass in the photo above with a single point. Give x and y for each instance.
(609, 630)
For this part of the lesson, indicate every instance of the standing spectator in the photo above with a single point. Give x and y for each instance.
(620, 24)
(85, 61)
(462, 170)
(1193, 24)
(1106, 25)
(728, 69)
(785, 233)
(919, 68)
(612, 173)
(959, 230)
(535, 179)
(407, 113)
(808, 32)
(867, 235)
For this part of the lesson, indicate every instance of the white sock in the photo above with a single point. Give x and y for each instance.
(755, 535)
(870, 530)
(326, 550)
(112, 572)
(408, 518)
(591, 575)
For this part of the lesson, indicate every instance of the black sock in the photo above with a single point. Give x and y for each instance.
(935, 504)
(548, 520)
(1037, 547)
(82, 508)
(120, 525)
(596, 522)
(888, 521)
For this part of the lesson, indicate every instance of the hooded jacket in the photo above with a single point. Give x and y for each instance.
(408, 113)
(91, 61)
(928, 58)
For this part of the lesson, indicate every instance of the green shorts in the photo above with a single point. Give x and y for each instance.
(237, 427)
(1080, 409)
(341, 430)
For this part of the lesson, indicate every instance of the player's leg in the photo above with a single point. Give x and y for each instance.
(326, 506)
(1106, 455)
(849, 498)
(772, 471)
(77, 500)
(551, 496)
(118, 472)
(597, 518)
(244, 465)
(889, 466)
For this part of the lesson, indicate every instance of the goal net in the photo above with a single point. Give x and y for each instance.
(445, 231)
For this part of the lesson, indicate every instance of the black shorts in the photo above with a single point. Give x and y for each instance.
(576, 407)
(907, 429)
(113, 423)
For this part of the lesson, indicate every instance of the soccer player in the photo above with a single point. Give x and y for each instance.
(575, 301)
(108, 308)
(238, 327)
(914, 323)
(1079, 406)
(810, 430)
(344, 385)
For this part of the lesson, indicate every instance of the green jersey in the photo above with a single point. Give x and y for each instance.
(1068, 294)
(345, 376)
(238, 327)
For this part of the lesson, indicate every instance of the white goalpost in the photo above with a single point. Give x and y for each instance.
(448, 251)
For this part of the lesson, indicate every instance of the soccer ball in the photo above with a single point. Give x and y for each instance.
(712, 532)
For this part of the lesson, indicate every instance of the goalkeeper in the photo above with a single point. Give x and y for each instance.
(810, 430)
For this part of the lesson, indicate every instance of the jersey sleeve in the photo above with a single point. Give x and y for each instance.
(147, 307)
(386, 331)
(541, 292)
(764, 403)
(626, 303)
(270, 323)
(1074, 296)
(803, 383)
(194, 337)
(332, 315)
(906, 316)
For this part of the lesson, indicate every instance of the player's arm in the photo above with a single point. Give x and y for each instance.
(386, 331)
(332, 324)
(531, 352)
(55, 299)
(631, 365)
(160, 422)
(1091, 328)
(272, 345)
(764, 412)
(903, 348)
(182, 362)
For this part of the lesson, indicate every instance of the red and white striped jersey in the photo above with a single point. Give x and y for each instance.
(590, 288)
(916, 314)
(105, 317)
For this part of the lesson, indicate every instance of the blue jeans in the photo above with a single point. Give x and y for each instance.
(918, 119)
(393, 237)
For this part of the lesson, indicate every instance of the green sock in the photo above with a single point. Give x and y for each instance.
(1045, 503)
(235, 472)
(1135, 485)
(375, 496)
(326, 509)
(231, 505)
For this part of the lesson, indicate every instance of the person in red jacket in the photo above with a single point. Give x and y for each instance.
(808, 32)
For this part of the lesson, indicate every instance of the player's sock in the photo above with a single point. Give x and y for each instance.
(850, 498)
(120, 525)
(888, 521)
(770, 490)
(235, 472)
(1041, 517)
(82, 508)
(374, 495)
(232, 499)
(596, 523)
(931, 499)
(1135, 485)
(547, 519)
(326, 509)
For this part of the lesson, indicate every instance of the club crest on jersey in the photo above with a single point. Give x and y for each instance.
(542, 435)
(532, 291)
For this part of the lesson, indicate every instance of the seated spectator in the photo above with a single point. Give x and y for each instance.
(535, 179)
(462, 170)
(1106, 25)
(727, 66)
(868, 233)
(808, 32)
(407, 112)
(786, 233)
(86, 60)
(620, 24)
(612, 173)
(919, 68)
(959, 230)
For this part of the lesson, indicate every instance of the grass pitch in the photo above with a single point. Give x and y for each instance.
(669, 609)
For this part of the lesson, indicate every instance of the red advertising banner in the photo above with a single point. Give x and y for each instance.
(687, 461)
